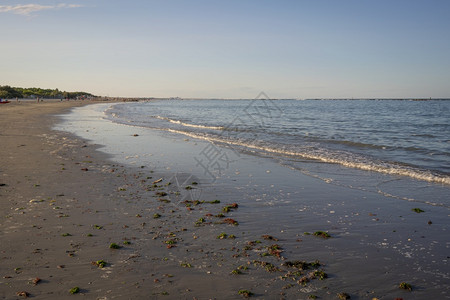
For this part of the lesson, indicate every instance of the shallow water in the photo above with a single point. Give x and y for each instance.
(406, 138)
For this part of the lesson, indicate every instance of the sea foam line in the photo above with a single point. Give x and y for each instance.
(190, 125)
(389, 169)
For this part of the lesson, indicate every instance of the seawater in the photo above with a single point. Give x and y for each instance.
(402, 138)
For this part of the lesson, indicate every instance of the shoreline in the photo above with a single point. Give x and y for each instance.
(64, 203)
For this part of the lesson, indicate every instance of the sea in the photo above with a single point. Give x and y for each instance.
(397, 137)
(398, 148)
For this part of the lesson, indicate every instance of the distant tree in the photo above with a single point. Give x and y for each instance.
(13, 92)
(3, 94)
(8, 92)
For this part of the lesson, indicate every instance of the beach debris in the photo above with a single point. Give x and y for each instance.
(429, 222)
(126, 242)
(135, 134)
(60, 266)
(229, 207)
(186, 265)
(66, 234)
(200, 221)
(36, 200)
(299, 275)
(343, 296)
(35, 281)
(74, 290)
(157, 181)
(98, 227)
(417, 210)
(230, 221)
(312, 296)
(23, 294)
(100, 263)
(245, 293)
(236, 272)
(84, 169)
(405, 286)
(274, 250)
(319, 274)
(302, 265)
(322, 234)
(269, 237)
(114, 246)
(222, 236)
(156, 216)
(303, 280)
(266, 265)
(253, 243)
(170, 243)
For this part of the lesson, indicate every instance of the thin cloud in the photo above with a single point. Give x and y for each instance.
(28, 9)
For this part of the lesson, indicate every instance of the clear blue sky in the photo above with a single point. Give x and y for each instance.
(228, 49)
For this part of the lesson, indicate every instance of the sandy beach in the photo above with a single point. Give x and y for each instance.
(75, 219)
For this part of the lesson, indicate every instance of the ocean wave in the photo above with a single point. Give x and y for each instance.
(345, 159)
(294, 139)
(188, 124)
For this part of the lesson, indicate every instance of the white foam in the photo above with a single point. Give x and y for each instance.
(327, 157)
(190, 125)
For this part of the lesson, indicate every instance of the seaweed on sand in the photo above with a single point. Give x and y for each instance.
(322, 234)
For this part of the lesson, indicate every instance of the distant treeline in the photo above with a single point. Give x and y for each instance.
(7, 92)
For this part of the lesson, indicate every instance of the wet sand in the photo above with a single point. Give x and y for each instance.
(63, 203)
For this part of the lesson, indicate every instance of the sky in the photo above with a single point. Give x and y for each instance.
(229, 49)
